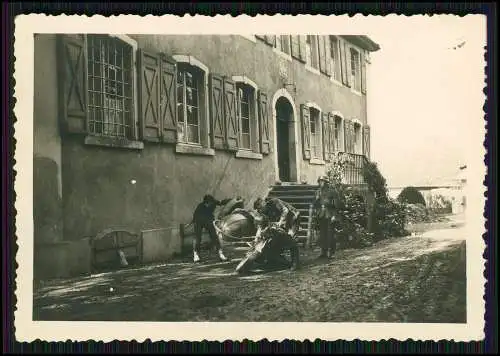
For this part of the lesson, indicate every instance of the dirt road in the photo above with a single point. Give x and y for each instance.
(411, 279)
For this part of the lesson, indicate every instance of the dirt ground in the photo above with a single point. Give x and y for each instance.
(419, 278)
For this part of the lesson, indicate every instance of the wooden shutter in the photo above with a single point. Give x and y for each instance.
(322, 53)
(366, 141)
(363, 73)
(331, 123)
(326, 137)
(168, 100)
(150, 93)
(73, 83)
(302, 47)
(328, 55)
(306, 131)
(231, 115)
(347, 135)
(217, 124)
(264, 124)
(347, 58)
(343, 70)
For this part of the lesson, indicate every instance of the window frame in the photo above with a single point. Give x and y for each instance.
(312, 48)
(357, 136)
(132, 140)
(336, 68)
(356, 77)
(252, 152)
(339, 145)
(198, 84)
(316, 159)
(203, 148)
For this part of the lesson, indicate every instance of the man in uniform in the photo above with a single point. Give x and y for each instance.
(324, 207)
(203, 218)
(286, 216)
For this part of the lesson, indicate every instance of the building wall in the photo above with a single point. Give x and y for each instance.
(47, 184)
(97, 189)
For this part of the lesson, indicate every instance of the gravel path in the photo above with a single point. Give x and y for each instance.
(412, 279)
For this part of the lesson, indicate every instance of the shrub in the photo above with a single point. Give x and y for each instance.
(411, 195)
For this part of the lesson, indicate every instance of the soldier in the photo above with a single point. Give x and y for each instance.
(324, 206)
(203, 218)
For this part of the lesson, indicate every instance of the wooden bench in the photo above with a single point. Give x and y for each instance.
(116, 248)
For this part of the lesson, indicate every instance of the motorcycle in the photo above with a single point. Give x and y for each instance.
(269, 248)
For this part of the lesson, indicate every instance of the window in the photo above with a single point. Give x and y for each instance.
(295, 46)
(338, 134)
(335, 58)
(312, 51)
(246, 113)
(110, 86)
(315, 129)
(189, 81)
(285, 44)
(355, 70)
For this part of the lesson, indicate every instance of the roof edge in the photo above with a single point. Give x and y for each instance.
(363, 41)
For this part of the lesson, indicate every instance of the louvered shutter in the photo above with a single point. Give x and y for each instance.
(326, 137)
(168, 102)
(322, 53)
(343, 69)
(366, 141)
(347, 58)
(363, 73)
(264, 124)
(302, 47)
(149, 80)
(347, 135)
(328, 55)
(73, 83)
(331, 123)
(231, 115)
(306, 131)
(217, 124)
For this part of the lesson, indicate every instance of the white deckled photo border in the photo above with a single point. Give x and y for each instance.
(28, 330)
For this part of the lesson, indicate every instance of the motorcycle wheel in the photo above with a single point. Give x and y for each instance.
(247, 262)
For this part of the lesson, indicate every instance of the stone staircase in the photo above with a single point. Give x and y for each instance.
(299, 196)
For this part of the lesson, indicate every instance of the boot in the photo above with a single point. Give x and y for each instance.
(196, 257)
(221, 256)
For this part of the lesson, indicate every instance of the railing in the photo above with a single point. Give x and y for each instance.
(354, 164)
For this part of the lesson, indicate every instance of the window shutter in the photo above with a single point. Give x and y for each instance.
(302, 47)
(150, 92)
(168, 101)
(328, 56)
(326, 137)
(347, 58)
(254, 122)
(217, 125)
(231, 115)
(331, 123)
(306, 132)
(366, 141)
(322, 53)
(264, 127)
(363, 73)
(73, 83)
(343, 70)
(347, 135)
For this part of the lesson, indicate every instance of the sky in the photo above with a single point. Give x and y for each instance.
(425, 98)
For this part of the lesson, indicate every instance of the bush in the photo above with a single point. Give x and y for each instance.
(411, 195)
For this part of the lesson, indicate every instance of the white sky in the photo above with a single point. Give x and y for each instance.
(424, 98)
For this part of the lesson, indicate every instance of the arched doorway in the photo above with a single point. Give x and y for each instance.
(285, 141)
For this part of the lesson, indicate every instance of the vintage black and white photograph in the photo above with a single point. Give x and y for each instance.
(317, 172)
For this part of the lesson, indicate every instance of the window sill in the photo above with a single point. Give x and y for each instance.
(317, 161)
(194, 150)
(336, 81)
(312, 70)
(356, 92)
(113, 142)
(248, 154)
